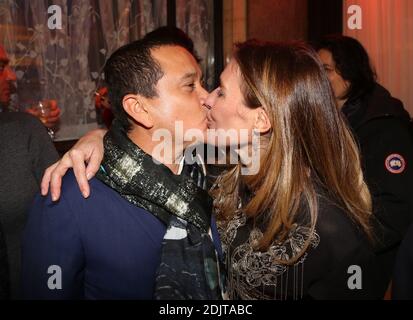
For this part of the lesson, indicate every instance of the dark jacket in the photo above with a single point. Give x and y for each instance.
(106, 247)
(25, 152)
(4, 268)
(403, 270)
(382, 128)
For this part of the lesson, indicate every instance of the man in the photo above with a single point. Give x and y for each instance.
(7, 80)
(145, 230)
(26, 150)
(8, 87)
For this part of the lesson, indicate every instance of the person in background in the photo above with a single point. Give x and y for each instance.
(381, 127)
(103, 108)
(7, 80)
(8, 87)
(25, 152)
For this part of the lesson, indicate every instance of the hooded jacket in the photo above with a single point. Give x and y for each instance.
(382, 129)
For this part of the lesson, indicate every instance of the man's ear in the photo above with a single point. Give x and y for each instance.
(137, 108)
(262, 121)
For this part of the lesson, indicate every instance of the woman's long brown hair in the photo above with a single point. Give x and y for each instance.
(309, 144)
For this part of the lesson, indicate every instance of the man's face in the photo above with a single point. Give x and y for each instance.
(180, 92)
(7, 79)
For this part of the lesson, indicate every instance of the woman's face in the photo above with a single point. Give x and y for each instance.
(228, 110)
(340, 86)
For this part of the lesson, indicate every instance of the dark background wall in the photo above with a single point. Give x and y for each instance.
(324, 17)
(279, 20)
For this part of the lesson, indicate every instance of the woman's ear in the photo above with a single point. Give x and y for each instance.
(137, 108)
(262, 121)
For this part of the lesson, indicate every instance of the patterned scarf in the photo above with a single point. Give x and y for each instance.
(188, 268)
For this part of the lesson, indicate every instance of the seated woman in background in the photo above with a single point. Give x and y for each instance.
(382, 129)
(300, 227)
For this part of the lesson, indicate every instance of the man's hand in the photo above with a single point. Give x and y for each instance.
(52, 118)
(89, 149)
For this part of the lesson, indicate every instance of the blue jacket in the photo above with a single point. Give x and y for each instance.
(104, 247)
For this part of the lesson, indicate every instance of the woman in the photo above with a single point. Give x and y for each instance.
(294, 229)
(381, 126)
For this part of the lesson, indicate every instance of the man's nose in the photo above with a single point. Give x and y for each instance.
(203, 94)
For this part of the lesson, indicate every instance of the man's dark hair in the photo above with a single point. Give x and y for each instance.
(352, 63)
(179, 37)
(131, 69)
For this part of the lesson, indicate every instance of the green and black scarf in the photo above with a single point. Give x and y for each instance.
(189, 266)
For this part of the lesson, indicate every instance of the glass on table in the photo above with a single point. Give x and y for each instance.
(43, 109)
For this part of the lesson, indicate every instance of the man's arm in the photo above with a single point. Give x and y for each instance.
(52, 253)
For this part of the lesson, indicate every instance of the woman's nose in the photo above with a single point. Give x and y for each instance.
(210, 100)
(203, 94)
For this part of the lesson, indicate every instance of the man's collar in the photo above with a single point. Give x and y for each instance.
(195, 159)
